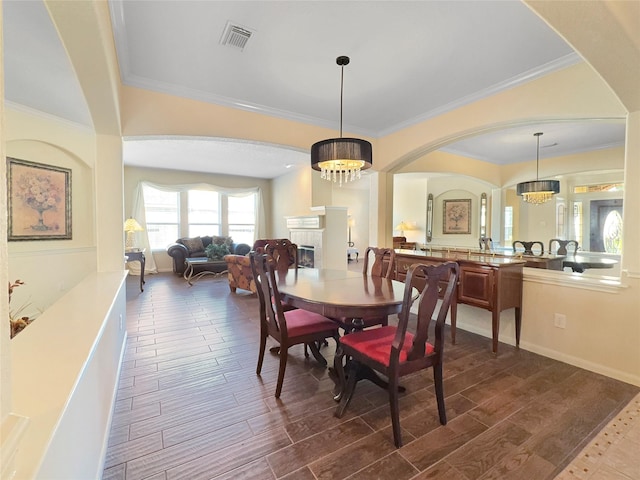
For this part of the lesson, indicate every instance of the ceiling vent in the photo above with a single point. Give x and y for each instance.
(235, 36)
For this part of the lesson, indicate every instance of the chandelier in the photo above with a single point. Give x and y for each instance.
(538, 191)
(341, 159)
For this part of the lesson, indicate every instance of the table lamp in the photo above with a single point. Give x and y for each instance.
(131, 226)
(402, 226)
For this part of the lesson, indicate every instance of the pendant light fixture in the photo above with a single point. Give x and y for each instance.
(341, 159)
(538, 191)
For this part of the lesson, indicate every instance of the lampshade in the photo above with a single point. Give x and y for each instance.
(130, 225)
(341, 159)
(538, 191)
(402, 226)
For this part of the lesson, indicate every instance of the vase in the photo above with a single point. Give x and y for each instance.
(40, 226)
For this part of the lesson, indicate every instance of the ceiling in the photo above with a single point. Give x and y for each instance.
(410, 61)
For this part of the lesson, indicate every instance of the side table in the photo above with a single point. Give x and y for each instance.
(137, 256)
(352, 251)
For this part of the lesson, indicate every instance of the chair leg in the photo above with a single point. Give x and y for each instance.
(437, 381)
(263, 346)
(395, 411)
(284, 354)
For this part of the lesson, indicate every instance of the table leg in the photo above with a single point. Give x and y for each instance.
(518, 315)
(495, 329)
(143, 261)
(188, 272)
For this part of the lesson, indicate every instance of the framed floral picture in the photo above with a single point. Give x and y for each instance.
(39, 201)
(456, 216)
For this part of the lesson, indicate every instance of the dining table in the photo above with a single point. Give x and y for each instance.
(340, 294)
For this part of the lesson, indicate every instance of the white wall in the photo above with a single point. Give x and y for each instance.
(410, 193)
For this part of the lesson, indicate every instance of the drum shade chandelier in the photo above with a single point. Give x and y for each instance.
(341, 159)
(538, 191)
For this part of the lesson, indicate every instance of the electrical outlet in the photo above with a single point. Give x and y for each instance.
(560, 320)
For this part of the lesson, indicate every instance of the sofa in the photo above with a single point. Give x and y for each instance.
(190, 247)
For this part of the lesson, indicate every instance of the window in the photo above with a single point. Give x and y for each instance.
(242, 214)
(203, 213)
(612, 233)
(508, 225)
(198, 213)
(162, 211)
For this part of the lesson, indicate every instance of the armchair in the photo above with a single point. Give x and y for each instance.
(239, 273)
(239, 267)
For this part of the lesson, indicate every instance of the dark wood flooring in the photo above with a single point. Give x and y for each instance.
(190, 406)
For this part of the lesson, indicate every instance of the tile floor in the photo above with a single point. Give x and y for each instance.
(190, 406)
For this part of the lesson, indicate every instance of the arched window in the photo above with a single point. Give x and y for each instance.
(612, 233)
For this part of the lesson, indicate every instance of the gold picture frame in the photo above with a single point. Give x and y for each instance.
(456, 216)
(39, 201)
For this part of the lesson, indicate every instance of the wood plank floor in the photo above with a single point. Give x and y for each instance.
(190, 406)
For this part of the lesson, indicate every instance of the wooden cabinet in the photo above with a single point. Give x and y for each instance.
(476, 286)
(488, 282)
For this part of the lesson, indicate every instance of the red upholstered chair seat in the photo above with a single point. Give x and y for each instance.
(302, 322)
(376, 344)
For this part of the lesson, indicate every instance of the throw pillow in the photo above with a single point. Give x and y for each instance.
(193, 244)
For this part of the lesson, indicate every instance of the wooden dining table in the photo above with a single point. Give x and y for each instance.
(340, 294)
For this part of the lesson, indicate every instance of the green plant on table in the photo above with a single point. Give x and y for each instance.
(216, 251)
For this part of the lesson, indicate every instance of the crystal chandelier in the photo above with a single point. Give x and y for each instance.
(341, 159)
(538, 191)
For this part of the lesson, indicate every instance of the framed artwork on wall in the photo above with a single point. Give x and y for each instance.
(39, 201)
(456, 216)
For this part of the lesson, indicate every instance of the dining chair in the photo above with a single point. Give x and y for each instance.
(288, 328)
(563, 246)
(384, 260)
(283, 252)
(393, 350)
(285, 255)
(528, 247)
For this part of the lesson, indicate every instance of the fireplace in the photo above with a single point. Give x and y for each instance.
(306, 254)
